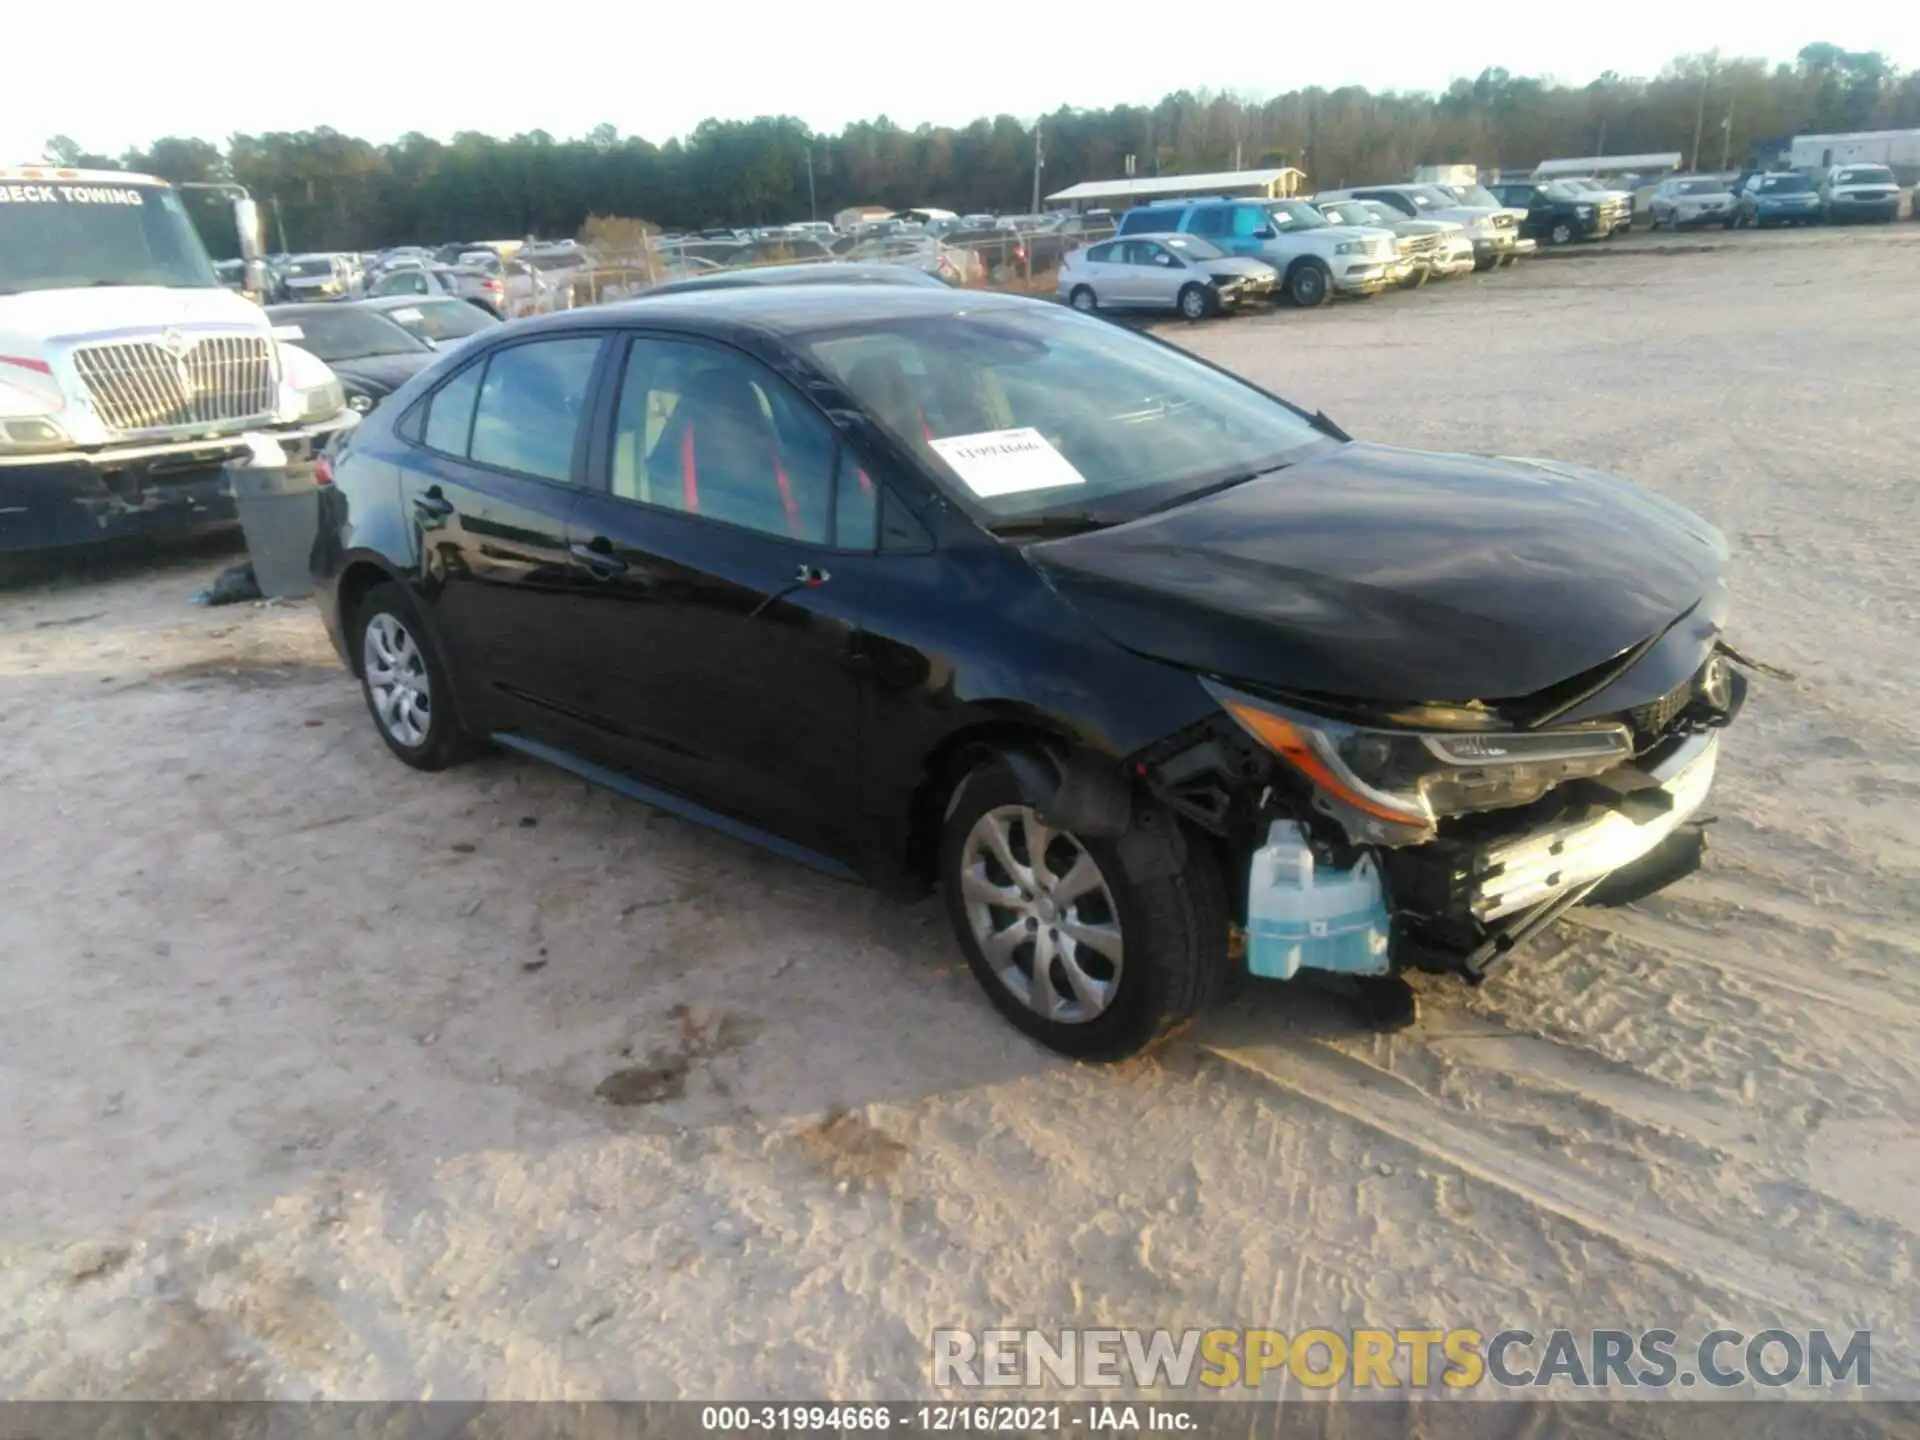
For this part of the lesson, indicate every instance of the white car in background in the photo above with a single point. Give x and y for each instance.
(1683, 200)
(1491, 226)
(1163, 272)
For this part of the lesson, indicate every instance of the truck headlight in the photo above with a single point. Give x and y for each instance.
(31, 436)
(1350, 247)
(1393, 786)
(317, 402)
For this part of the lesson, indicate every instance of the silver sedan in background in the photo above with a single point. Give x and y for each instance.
(1164, 272)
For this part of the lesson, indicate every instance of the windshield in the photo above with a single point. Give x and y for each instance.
(1193, 247)
(1785, 184)
(1351, 212)
(336, 334)
(1296, 215)
(310, 265)
(1475, 195)
(1117, 423)
(1698, 187)
(439, 321)
(56, 237)
(1866, 175)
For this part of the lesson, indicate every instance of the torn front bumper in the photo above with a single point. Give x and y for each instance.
(76, 497)
(1518, 872)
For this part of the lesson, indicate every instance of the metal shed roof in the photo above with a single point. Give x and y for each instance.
(1173, 184)
(1587, 164)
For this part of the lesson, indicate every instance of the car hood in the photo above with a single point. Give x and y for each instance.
(1243, 266)
(1382, 574)
(386, 372)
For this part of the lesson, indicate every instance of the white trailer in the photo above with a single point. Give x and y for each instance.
(1898, 150)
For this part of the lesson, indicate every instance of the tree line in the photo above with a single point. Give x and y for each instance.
(322, 190)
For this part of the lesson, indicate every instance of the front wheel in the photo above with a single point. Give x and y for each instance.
(1083, 299)
(1074, 951)
(1196, 302)
(404, 683)
(1561, 234)
(1309, 283)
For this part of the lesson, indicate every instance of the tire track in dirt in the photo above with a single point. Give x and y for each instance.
(1711, 1261)
(1669, 939)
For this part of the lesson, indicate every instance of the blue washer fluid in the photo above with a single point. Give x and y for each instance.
(1301, 915)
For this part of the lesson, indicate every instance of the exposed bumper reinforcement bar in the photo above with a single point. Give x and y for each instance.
(1569, 855)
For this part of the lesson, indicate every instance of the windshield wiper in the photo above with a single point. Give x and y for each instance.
(1238, 478)
(1049, 527)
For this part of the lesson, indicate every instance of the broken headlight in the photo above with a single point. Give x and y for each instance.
(1391, 787)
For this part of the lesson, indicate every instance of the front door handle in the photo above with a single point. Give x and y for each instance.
(597, 555)
(432, 506)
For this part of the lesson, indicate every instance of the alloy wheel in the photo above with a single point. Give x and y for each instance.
(1042, 914)
(396, 675)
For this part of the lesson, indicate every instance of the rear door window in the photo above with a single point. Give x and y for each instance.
(528, 414)
(1213, 221)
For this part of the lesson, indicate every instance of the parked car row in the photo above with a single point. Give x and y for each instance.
(1204, 256)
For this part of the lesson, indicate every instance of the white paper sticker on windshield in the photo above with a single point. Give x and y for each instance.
(406, 316)
(1007, 462)
(288, 332)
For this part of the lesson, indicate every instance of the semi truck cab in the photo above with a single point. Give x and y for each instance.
(132, 382)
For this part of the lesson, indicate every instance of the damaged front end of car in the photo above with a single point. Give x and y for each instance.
(1483, 822)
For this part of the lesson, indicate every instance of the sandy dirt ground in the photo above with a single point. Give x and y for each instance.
(319, 1077)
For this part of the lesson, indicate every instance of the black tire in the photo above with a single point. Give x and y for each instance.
(1175, 930)
(1083, 299)
(1309, 283)
(443, 742)
(1421, 274)
(1195, 302)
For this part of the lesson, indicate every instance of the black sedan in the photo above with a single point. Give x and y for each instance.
(372, 355)
(441, 322)
(1139, 664)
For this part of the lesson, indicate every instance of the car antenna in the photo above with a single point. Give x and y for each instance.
(1320, 419)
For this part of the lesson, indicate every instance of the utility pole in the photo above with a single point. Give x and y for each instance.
(1699, 121)
(1039, 164)
(1726, 132)
(813, 206)
(279, 224)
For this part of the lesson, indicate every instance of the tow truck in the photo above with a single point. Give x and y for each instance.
(132, 383)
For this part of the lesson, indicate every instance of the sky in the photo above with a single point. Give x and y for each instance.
(658, 70)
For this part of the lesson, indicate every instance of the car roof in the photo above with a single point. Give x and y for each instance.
(786, 311)
(328, 307)
(401, 302)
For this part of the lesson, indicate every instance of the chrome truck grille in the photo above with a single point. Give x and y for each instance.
(145, 385)
(1419, 244)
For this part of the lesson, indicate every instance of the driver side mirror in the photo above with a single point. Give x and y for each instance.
(246, 219)
(1266, 232)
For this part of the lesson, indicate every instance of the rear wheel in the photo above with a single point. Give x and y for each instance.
(404, 683)
(1077, 953)
(1196, 302)
(1083, 299)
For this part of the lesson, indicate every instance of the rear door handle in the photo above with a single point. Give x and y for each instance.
(597, 555)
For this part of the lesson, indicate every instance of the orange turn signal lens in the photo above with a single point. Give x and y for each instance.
(1287, 740)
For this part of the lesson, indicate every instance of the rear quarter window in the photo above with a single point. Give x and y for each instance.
(1151, 218)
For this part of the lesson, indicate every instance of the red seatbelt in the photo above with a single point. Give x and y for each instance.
(926, 430)
(865, 483)
(689, 472)
(786, 496)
